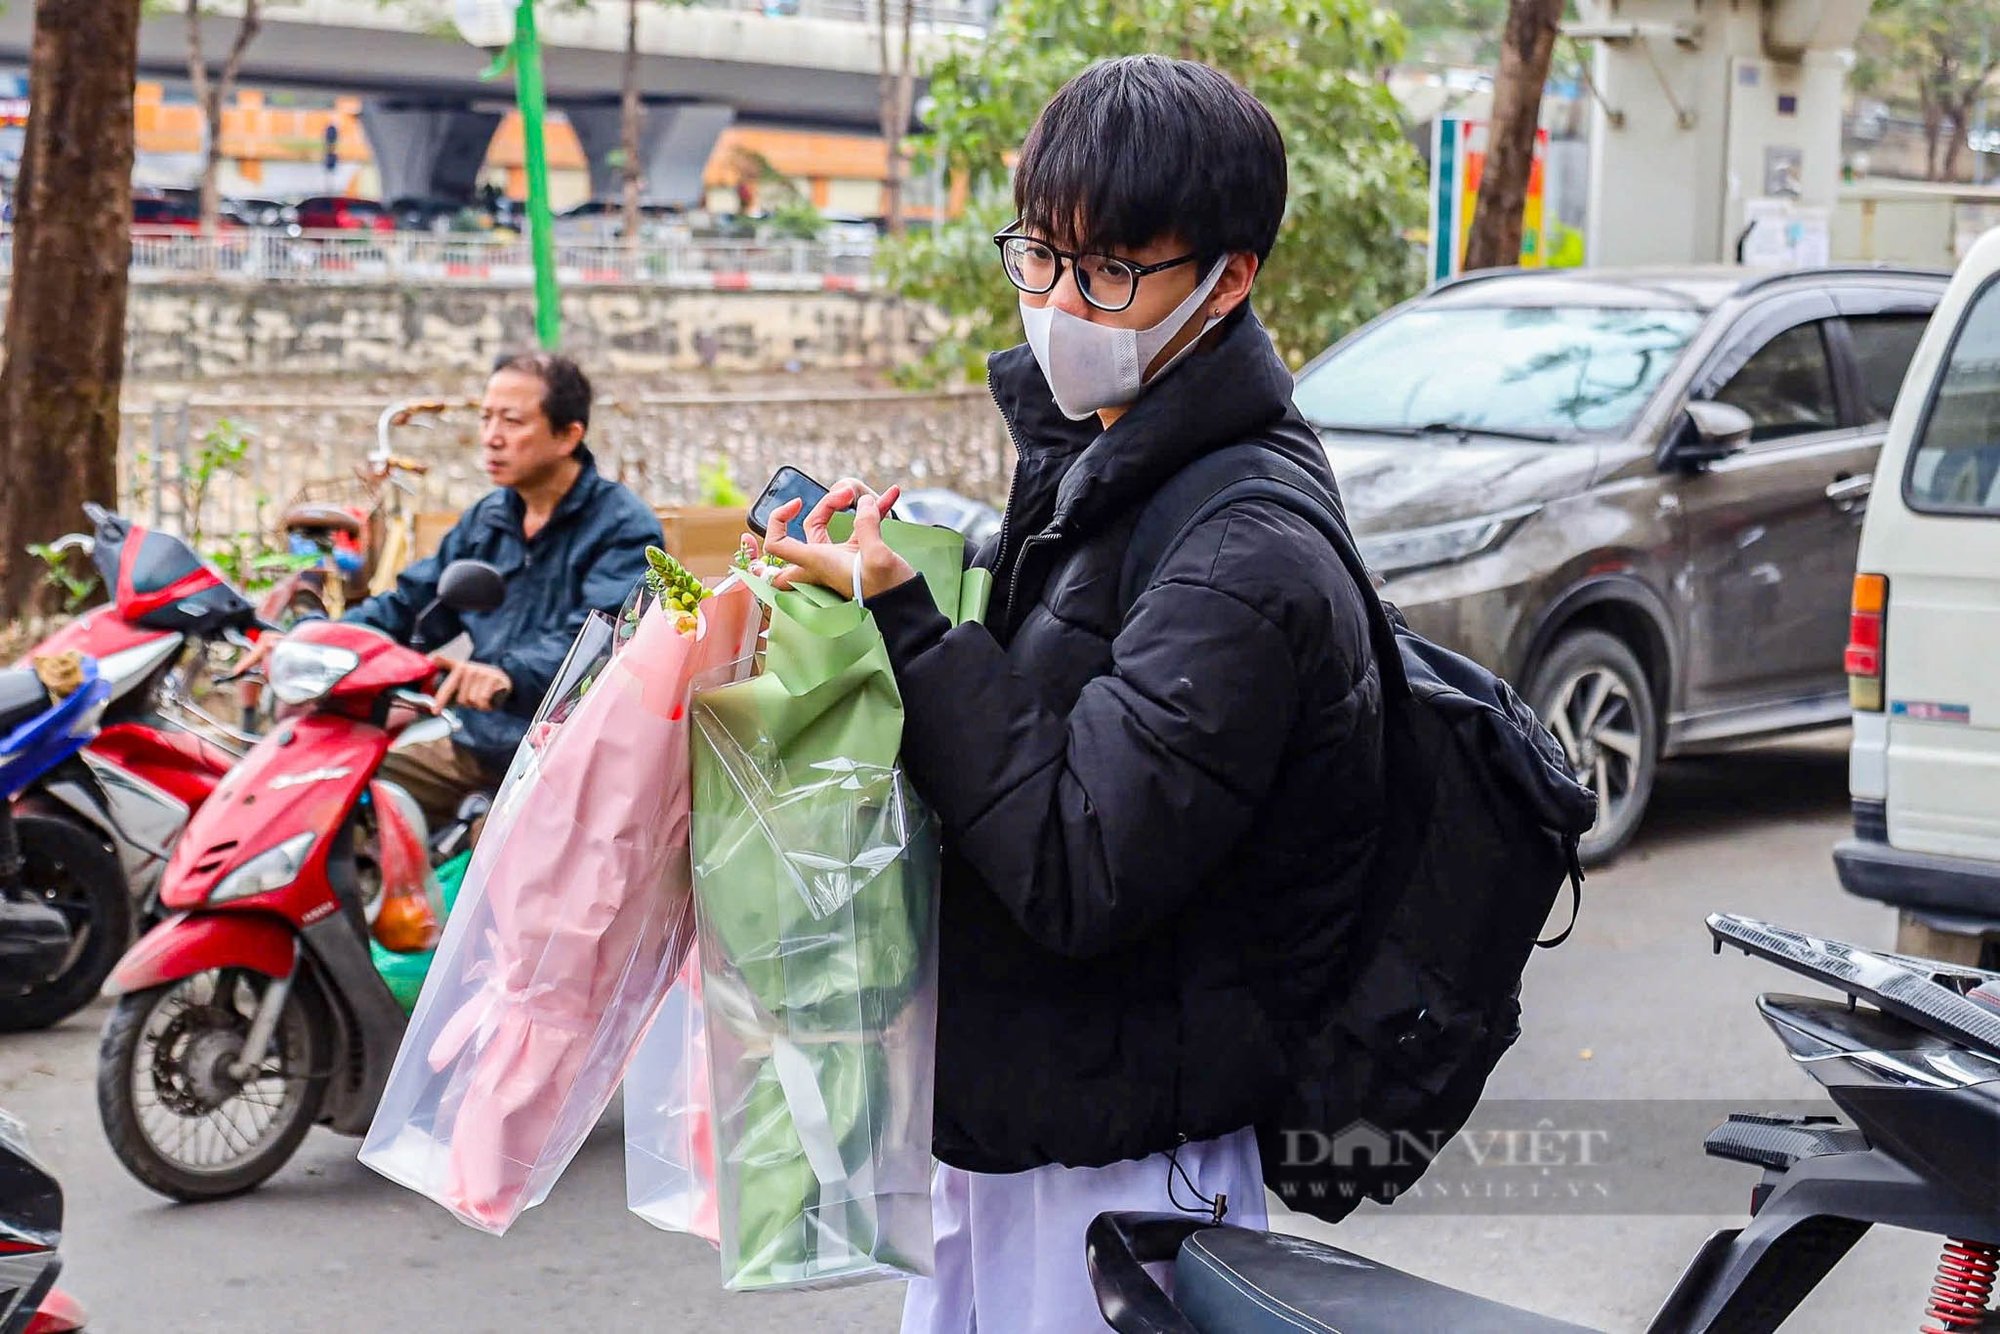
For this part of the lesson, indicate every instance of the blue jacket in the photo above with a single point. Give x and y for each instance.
(588, 557)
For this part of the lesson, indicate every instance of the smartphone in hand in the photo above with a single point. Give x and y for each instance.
(786, 485)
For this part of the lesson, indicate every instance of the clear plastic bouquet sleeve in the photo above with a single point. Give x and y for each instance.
(816, 874)
(573, 920)
(669, 1123)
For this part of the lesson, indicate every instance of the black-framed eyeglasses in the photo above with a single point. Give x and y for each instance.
(1106, 281)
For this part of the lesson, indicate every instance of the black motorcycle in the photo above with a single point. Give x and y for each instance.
(33, 938)
(1911, 1057)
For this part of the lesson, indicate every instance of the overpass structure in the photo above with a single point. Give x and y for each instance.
(430, 117)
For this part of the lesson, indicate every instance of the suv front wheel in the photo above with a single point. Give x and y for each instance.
(1594, 696)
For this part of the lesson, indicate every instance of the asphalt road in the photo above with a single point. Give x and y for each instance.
(1634, 1007)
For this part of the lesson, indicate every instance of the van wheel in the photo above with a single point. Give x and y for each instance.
(1594, 696)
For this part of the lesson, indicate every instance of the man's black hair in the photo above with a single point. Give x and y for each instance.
(565, 388)
(1140, 147)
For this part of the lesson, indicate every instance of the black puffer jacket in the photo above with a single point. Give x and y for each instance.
(1158, 832)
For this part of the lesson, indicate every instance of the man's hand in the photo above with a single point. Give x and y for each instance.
(472, 684)
(864, 563)
(255, 656)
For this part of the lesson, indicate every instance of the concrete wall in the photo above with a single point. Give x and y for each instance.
(219, 330)
(659, 444)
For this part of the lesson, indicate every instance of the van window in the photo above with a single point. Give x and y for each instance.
(1883, 348)
(1786, 387)
(1956, 464)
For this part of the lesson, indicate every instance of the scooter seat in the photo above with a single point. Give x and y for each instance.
(1235, 1281)
(22, 697)
(321, 518)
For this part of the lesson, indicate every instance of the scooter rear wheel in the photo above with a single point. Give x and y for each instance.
(175, 1116)
(68, 868)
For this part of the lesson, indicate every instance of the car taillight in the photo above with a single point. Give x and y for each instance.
(1864, 642)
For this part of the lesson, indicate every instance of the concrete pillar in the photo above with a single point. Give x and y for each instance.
(428, 150)
(676, 140)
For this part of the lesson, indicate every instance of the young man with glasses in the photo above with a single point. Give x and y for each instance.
(1159, 821)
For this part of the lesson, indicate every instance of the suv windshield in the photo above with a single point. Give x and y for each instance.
(1519, 370)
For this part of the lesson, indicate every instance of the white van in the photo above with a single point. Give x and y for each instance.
(1923, 660)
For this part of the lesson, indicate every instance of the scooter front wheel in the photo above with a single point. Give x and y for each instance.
(180, 1114)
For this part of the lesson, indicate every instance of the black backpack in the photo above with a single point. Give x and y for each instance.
(1484, 818)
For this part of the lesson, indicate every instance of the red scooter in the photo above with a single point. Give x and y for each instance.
(256, 1009)
(157, 753)
(155, 759)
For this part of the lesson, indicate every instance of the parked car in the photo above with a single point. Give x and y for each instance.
(166, 210)
(258, 212)
(976, 519)
(1635, 494)
(600, 220)
(338, 213)
(421, 214)
(1924, 635)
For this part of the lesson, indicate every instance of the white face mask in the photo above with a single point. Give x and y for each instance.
(1091, 366)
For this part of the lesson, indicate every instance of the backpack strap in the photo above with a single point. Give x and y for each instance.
(1253, 471)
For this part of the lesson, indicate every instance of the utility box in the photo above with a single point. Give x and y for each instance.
(1705, 112)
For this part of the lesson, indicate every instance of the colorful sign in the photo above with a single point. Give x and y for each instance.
(1458, 160)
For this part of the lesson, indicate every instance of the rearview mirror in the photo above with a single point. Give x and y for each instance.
(1709, 433)
(471, 585)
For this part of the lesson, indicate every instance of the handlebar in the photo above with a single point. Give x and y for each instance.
(403, 414)
(427, 705)
(83, 542)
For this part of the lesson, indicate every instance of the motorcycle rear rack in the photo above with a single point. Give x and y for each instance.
(1910, 989)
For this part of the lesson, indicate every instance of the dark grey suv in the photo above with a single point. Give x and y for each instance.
(1635, 494)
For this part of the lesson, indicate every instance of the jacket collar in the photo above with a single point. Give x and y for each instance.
(512, 512)
(1218, 395)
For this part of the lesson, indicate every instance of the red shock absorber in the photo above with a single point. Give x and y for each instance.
(1964, 1285)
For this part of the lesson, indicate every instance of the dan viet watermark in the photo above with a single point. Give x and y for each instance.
(1580, 1157)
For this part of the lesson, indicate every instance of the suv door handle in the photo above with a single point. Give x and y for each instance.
(1850, 494)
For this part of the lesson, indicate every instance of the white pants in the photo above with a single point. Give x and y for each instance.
(1010, 1248)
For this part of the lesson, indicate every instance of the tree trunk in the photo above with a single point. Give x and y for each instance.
(896, 94)
(906, 101)
(212, 96)
(65, 356)
(1933, 137)
(1525, 50)
(1961, 122)
(633, 115)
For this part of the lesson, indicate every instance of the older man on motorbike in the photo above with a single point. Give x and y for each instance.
(568, 541)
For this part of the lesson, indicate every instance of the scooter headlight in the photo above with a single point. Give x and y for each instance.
(300, 673)
(268, 870)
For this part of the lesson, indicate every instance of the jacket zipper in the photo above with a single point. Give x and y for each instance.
(1014, 583)
(1049, 534)
(1013, 482)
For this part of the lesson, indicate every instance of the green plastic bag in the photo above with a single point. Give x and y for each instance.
(815, 881)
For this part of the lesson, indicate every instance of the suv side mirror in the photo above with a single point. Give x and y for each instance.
(1709, 433)
(471, 585)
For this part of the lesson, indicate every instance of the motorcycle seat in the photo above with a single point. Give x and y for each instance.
(1235, 1281)
(320, 518)
(22, 697)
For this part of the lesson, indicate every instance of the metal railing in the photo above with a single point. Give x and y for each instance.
(927, 13)
(430, 259)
